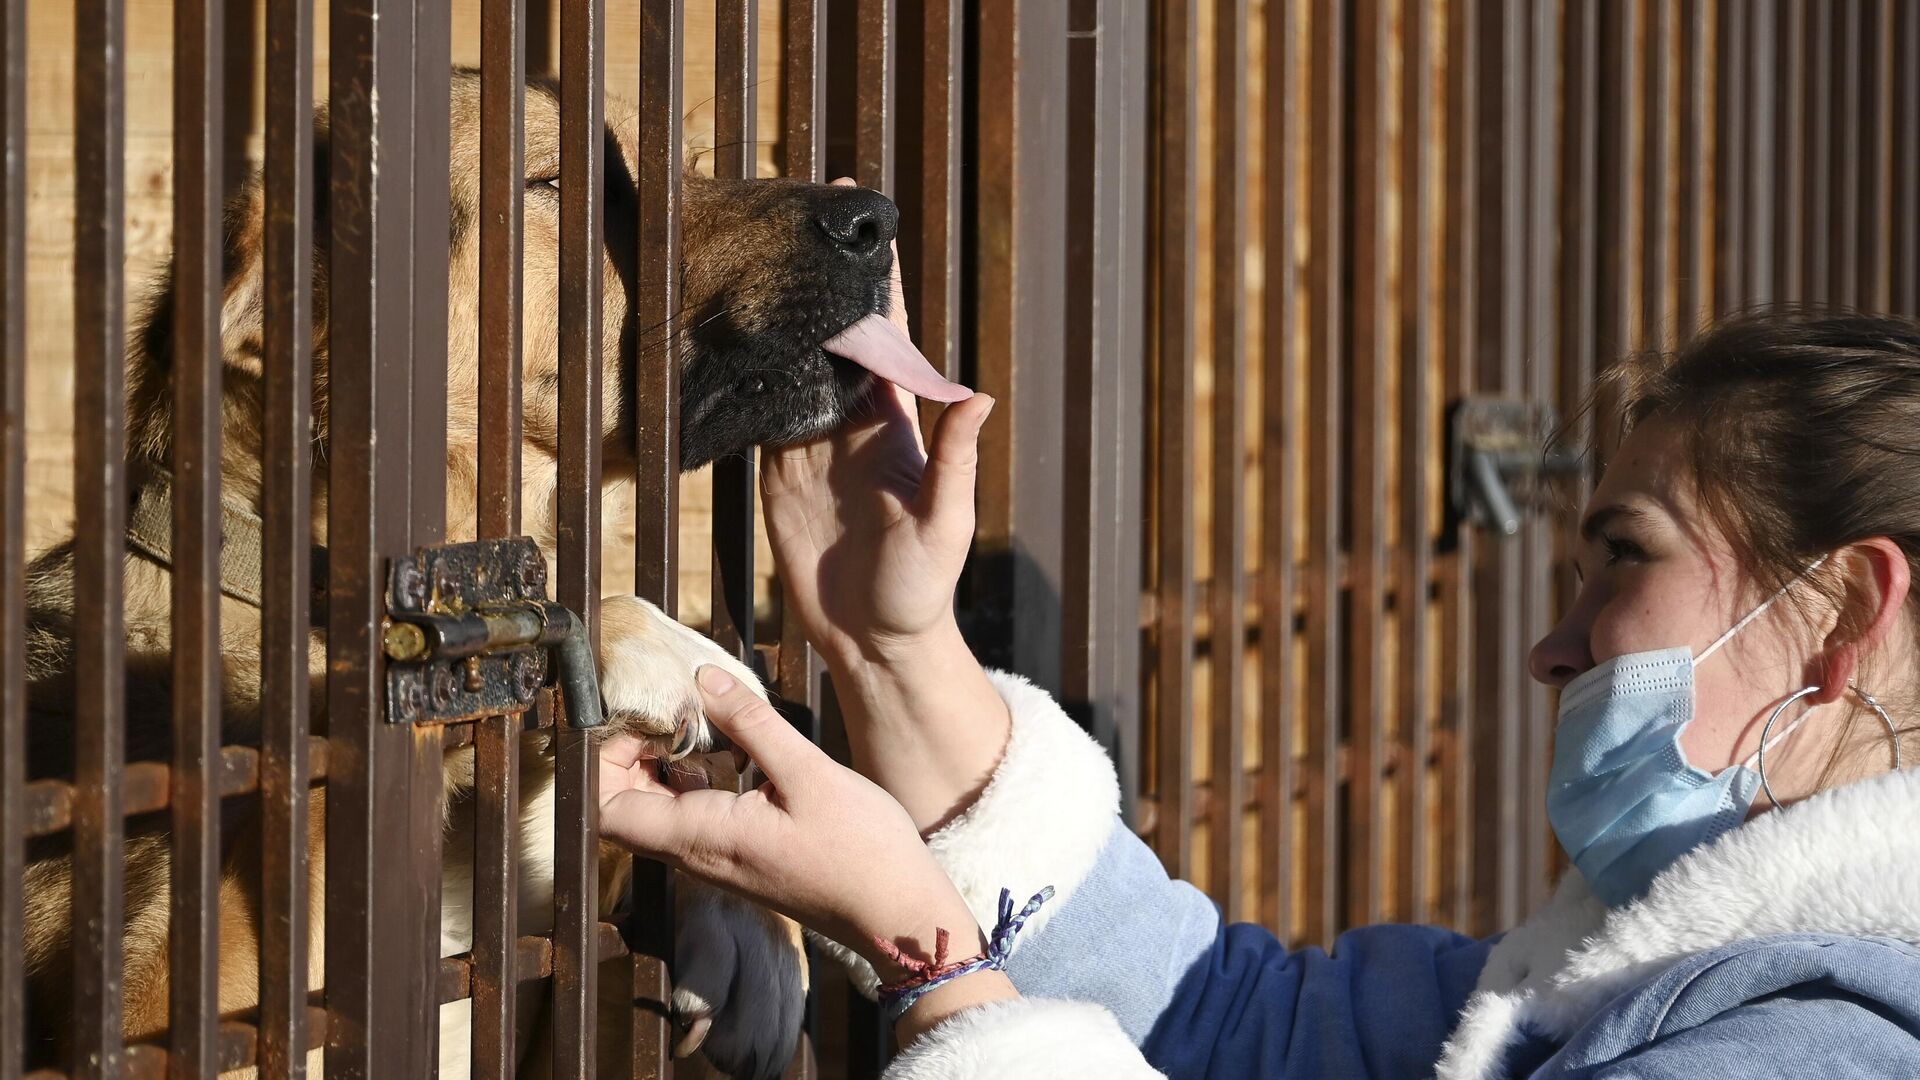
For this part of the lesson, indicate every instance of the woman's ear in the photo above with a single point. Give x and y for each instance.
(1877, 583)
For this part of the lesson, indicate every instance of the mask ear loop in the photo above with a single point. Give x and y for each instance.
(1760, 755)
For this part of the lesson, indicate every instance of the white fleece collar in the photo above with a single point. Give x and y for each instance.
(1844, 862)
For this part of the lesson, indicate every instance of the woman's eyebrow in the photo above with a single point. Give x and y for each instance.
(1600, 517)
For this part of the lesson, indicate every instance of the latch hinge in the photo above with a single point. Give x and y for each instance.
(1497, 463)
(468, 632)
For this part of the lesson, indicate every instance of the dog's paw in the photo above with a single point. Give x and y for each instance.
(740, 990)
(647, 666)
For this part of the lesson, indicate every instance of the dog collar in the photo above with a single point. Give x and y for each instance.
(150, 532)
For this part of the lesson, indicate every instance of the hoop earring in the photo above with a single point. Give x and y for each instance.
(1873, 703)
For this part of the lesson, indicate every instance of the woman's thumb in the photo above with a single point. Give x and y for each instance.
(953, 461)
(753, 725)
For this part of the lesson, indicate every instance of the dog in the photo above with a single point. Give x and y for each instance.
(771, 269)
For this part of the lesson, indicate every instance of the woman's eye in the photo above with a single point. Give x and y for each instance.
(1623, 550)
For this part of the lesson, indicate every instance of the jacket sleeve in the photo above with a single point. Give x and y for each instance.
(1201, 998)
(1024, 1037)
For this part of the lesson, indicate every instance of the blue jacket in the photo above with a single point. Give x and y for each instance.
(1786, 947)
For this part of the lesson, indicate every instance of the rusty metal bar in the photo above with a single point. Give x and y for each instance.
(1790, 139)
(194, 929)
(877, 75)
(1656, 222)
(1535, 38)
(503, 37)
(1280, 465)
(427, 501)
(577, 542)
(734, 489)
(375, 1011)
(1325, 359)
(1228, 663)
(1874, 188)
(1730, 164)
(1367, 418)
(1500, 741)
(1173, 261)
(928, 177)
(1818, 161)
(1844, 166)
(1413, 564)
(805, 69)
(1905, 217)
(13, 550)
(1695, 167)
(100, 511)
(1762, 162)
(286, 760)
(657, 451)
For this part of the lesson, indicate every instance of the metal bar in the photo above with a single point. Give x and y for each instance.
(427, 501)
(1280, 465)
(503, 35)
(1818, 161)
(1905, 217)
(577, 542)
(1326, 355)
(1460, 260)
(657, 449)
(1413, 566)
(1020, 328)
(374, 1010)
(1655, 245)
(1694, 166)
(1229, 442)
(286, 475)
(1730, 164)
(877, 74)
(806, 89)
(1762, 162)
(1367, 476)
(13, 537)
(100, 508)
(928, 179)
(1499, 739)
(1875, 168)
(1535, 39)
(1618, 162)
(194, 930)
(734, 489)
(1173, 261)
(1790, 189)
(1844, 166)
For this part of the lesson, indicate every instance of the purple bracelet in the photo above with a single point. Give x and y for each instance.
(897, 998)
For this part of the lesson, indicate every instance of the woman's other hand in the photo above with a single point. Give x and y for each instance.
(817, 842)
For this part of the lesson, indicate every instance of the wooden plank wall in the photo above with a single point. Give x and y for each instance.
(1441, 198)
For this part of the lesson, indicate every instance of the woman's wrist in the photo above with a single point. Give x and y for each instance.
(947, 1000)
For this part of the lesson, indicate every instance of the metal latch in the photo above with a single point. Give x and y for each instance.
(1496, 461)
(468, 632)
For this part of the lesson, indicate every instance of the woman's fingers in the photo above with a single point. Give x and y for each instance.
(782, 753)
(953, 461)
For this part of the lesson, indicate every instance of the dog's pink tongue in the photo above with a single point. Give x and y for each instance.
(878, 345)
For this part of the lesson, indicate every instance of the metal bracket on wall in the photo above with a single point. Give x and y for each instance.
(1498, 465)
(467, 634)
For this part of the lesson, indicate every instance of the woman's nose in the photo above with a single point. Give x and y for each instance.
(1564, 653)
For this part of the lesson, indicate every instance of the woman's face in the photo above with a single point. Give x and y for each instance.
(1657, 573)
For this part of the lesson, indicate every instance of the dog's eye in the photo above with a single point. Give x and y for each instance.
(549, 183)
(755, 385)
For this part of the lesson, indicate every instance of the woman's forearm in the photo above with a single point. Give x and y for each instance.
(924, 723)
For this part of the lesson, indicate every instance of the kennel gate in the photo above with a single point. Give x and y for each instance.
(957, 109)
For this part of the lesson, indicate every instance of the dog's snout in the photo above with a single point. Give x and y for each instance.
(859, 221)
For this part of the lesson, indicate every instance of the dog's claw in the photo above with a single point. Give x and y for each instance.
(695, 1034)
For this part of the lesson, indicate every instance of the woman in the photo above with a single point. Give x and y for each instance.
(1733, 677)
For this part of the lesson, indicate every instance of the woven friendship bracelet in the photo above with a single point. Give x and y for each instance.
(897, 997)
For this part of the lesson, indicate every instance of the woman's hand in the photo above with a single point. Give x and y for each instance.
(869, 534)
(817, 842)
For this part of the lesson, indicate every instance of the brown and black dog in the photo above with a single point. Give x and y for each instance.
(771, 269)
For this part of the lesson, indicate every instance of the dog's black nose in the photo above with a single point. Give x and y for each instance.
(859, 221)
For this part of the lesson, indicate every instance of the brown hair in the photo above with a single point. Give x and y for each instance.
(1803, 432)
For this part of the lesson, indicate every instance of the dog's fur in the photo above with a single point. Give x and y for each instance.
(762, 286)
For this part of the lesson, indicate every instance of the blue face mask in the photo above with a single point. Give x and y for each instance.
(1622, 797)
